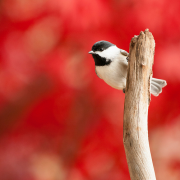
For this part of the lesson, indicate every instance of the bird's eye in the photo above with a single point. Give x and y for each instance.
(101, 49)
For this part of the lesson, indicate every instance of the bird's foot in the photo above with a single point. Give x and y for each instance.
(124, 90)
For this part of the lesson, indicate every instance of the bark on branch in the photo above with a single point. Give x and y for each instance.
(137, 98)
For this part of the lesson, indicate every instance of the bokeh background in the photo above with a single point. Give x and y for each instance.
(58, 120)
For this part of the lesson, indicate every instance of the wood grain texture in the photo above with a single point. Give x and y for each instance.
(137, 98)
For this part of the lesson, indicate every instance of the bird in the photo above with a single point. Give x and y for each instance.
(111, 65)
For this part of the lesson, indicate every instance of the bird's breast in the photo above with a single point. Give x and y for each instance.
(113, 74)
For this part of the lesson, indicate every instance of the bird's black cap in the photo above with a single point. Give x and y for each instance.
(101, 45)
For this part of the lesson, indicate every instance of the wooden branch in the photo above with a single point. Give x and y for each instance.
(137, 98)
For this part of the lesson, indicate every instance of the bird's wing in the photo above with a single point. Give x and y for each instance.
(124, 53)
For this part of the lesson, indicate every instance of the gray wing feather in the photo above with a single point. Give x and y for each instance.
(125, 53)
(157, 85)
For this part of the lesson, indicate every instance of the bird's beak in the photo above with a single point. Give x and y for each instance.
(91, 52)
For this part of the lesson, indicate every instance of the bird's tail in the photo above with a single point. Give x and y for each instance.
(157, 85)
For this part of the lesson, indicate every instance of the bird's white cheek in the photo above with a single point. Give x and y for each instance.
(105, 54)
(109, 53)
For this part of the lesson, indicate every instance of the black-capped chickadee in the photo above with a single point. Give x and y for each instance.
(111, 66)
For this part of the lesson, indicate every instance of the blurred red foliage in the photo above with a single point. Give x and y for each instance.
(58, 120)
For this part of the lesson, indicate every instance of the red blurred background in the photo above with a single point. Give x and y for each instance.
(58, 120)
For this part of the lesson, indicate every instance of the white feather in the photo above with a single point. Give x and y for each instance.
(115, 73)
(110, 53)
